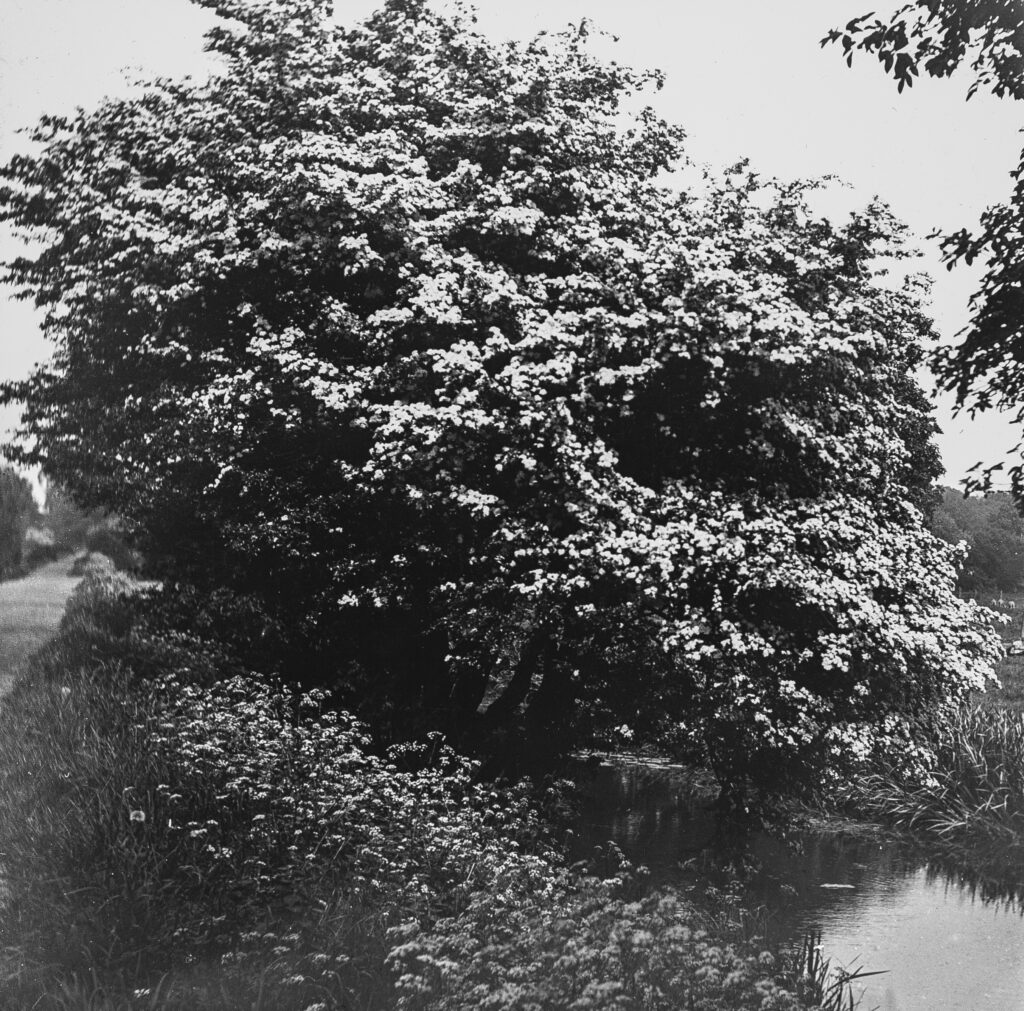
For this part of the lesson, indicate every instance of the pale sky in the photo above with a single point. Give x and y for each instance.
(746, 78)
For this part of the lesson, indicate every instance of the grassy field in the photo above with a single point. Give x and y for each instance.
(30, 610)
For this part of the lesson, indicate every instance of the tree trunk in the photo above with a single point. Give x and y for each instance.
(531, 656)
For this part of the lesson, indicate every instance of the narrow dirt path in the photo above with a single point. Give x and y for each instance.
(30, 611)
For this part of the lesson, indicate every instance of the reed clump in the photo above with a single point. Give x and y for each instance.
(974, 794)
(829, 987)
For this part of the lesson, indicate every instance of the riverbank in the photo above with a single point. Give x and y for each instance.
(113, 795)
(181, 835)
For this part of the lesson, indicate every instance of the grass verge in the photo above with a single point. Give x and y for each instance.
(30, 611)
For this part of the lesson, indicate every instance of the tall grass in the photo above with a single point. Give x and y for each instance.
(175, 833)
(975, 793)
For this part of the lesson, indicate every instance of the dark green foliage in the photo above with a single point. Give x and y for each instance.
(38, 548)
(108, 539)
(937, 36)
(994, 532)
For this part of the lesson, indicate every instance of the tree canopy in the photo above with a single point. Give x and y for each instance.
(986, 369)
(411, 338)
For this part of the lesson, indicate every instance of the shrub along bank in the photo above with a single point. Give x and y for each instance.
(176, 833)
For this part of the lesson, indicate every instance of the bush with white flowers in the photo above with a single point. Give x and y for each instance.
(411, 336)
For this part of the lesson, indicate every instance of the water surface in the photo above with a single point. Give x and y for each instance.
(946, 944)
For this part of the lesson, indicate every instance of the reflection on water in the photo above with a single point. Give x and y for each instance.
(947, 941)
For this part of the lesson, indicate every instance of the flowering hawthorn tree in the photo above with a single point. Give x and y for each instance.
(406, 334)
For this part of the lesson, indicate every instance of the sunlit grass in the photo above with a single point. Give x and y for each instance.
(30, 611)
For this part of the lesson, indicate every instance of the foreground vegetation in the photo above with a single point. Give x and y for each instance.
(178, 834)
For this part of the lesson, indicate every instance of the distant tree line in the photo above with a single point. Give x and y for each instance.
(31, 536)
(994, 532)
(18, 510)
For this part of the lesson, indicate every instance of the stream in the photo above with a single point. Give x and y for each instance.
(944, 941)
